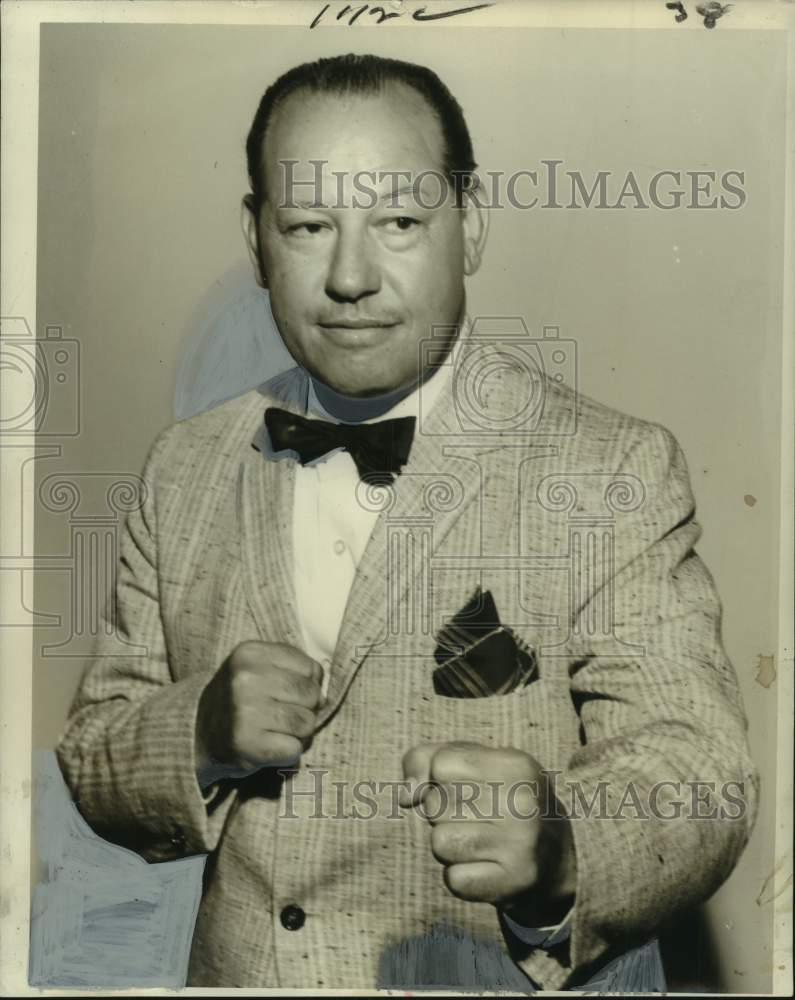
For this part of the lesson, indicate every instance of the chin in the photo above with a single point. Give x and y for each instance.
(361, 385)
(359, 390)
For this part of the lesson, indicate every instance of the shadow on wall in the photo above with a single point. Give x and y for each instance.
(231, 345)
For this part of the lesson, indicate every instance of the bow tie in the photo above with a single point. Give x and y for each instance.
(380, 450)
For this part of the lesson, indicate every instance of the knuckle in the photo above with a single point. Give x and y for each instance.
(247, 651)
(289, 751)
(413, 761)
(287, 650)
(283, 750)
(440, 845)
(293, 747)
(240, 686)
(515, 756)
(294, 659)
(458, 881)
(272, 715)
(446, 762)
(300, 721)
(447, 841)
(431, 807)
(519, 763)
(272, 744)
(306, 690)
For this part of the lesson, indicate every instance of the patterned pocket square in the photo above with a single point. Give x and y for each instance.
(478, 656)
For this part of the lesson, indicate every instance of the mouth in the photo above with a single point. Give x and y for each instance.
(360, 323)
(359, 332)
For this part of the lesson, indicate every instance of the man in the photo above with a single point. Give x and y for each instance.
(316, 585)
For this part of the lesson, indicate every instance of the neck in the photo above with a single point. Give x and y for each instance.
(352, 409)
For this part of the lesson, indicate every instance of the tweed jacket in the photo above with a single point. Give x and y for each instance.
(580, 521)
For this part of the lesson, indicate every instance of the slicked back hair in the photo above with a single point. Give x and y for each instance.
(365, 74)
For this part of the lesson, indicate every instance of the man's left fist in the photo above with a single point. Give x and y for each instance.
(495, 827)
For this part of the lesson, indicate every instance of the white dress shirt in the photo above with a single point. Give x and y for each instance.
(331, 528)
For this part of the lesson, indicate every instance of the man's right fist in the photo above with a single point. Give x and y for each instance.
(259, 709)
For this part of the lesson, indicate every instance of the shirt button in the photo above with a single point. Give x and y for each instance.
(292, 917)
(339, 546)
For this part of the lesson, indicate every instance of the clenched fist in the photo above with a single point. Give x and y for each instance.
(259, 709)
(495, 827)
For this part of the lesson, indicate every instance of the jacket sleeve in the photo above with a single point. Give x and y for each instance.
(127, 752)
(662, 794)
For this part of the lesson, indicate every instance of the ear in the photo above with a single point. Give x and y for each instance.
(476, 230)
(248, 223)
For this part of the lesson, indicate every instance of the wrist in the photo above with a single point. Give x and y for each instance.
(533, 910)
(559, 880)
(549, 900)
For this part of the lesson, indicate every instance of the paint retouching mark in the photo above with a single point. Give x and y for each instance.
(765, 670)
(102, 918)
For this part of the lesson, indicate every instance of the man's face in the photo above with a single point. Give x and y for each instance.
(355, 286)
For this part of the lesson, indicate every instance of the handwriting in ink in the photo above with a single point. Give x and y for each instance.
(682, 15)
(380, 14)
(710, 11)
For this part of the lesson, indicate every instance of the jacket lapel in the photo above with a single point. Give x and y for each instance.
(265, 507)
(265, 526)
(390, 592)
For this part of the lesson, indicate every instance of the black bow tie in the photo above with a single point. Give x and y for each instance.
(380, 450)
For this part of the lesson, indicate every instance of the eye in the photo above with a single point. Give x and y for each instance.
(403, 223)
(306, 228)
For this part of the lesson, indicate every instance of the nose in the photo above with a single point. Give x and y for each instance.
(353, 271)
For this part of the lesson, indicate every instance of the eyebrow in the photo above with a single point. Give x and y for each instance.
(317, 206)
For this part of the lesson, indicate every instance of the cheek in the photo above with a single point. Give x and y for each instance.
(424, 282)
(438, 270)
(289, 274)
(291, 298)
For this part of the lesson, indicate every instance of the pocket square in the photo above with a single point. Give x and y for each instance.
(478, 656)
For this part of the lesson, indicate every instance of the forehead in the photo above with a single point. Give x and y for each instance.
(393, 129)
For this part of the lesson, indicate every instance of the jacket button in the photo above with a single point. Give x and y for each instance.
(292, 917)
